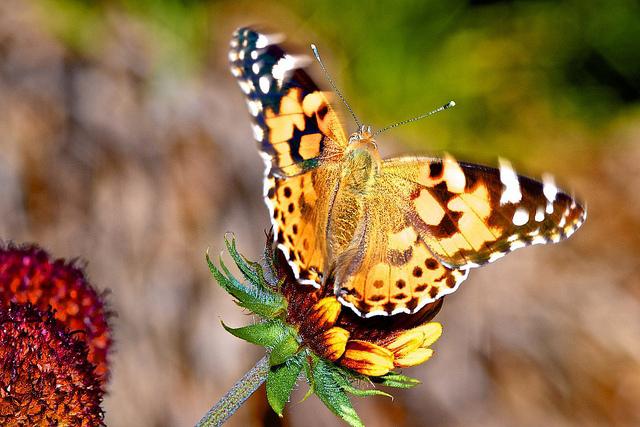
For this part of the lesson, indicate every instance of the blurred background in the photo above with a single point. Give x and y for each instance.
(125, 141)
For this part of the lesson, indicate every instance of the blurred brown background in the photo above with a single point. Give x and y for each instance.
(125, 141)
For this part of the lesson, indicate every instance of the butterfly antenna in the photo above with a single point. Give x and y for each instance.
(415, 119)
(333, 85)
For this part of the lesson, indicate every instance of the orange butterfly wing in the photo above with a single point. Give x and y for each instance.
(470, 214)
(429, 220)
(301, 140)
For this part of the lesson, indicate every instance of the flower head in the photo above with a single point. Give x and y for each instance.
(45, 376)
(307, 329)
(29, 275)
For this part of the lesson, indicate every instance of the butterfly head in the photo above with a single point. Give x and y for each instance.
(363, 138)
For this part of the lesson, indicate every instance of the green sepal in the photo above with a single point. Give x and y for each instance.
(252, 271)
(280, 382)
(359, 392)
(261, 301)
(396, 380)
(267, 334)
(332, 393)
(286, 347)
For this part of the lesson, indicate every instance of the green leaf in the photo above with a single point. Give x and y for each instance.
(346, 378)
(332, 393)
(285, 348)
(349, 388)
(267, 334)
(393, 379)
(280, 383)
(244, 265)
(261, 301)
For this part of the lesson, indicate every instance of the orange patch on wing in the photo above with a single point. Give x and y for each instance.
(281, 125)
(310, 145)
(428, 208)
(290, 103)
(313, 102)
(452, 245)
(476, 208)
(329, 124)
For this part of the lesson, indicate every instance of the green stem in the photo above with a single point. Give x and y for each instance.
(235, 397)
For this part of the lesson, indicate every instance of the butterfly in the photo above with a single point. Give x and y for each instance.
(389, 235)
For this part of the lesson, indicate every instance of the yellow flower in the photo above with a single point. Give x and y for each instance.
(335, 341)
(325, 313)
(367, 358)
(410, 348)
(371, 347)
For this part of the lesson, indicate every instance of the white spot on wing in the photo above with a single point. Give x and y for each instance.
(401, 310)
(520, 217)
(258, 132)
(266, 40)
(254, 107)
(538, 240)
(262, 41)
(286, 64)
(549, 188)
(563, 219)
(517, 245)
(255, 68)
(539, 214)
(508, 177)
(549, 208)
(245, 86)
(351, 306)
(496, 256)
(376, 313)
(453, 175)
(264, 84)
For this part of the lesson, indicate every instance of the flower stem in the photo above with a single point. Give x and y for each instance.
(239, 393)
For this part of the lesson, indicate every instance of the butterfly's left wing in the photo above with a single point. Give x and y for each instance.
(470, 214)
(427, 221)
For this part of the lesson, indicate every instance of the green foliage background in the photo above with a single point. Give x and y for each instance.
(523, 73)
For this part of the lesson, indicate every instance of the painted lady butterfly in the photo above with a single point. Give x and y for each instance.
(390, 235)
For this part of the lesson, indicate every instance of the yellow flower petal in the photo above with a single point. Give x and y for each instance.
(325, 313)
(367, 358)
(431, 331)
(414, 358)
(406, 342)
(334, 342)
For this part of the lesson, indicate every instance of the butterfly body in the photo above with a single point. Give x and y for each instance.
(389, 236)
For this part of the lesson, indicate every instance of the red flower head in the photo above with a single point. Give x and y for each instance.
(45, 377)
(29, 275)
